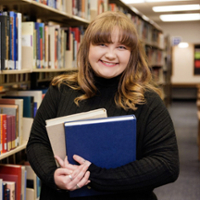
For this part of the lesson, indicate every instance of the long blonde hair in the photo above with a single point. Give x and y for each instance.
(135, 79)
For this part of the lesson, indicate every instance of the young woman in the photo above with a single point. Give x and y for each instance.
(113, 74)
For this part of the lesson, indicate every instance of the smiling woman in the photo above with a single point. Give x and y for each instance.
(112, 74)
(109, 33)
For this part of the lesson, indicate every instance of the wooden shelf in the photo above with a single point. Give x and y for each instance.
(40, 11)
(11, 152)
(24, 71)
(53, 70)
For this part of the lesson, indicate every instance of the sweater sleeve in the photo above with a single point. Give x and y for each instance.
(157, 154)
(38, 149)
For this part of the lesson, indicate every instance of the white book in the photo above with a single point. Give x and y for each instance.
(19, 30)
(56, 133)
(1, 189)
(28, 28)
(23, 182)
(30, 194)
(32, 178)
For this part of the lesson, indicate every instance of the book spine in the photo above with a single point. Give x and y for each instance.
(12, 41)
(13, 138)
(9, 132)
(37, 44)
(15, 40)
(3, 20)
(4, 133)
(19, 50)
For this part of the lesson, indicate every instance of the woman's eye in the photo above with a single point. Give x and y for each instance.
(122, 47)
(103, 45)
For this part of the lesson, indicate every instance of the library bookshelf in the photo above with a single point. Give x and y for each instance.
(65, 18)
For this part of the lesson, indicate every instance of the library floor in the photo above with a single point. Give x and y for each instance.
(187, 186)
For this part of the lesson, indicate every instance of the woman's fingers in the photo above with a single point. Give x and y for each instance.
(81, 160)
(71, 177)
(84, 181)
(65, 163)
(59, 160)
(61, 177)
(80, 177)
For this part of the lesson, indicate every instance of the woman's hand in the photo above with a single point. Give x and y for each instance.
(72, 177)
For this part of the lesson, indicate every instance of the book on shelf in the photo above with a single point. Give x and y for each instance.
(108, 143)
(11, 187)
(18, 102)
(1, 188)
(23, 182)
(97, 7)
(12, 110)
(28, 103)
(55, 128)
(37, 95)
(5, 191)
(4, 29)
(30, 194)
(3, 133)
(68, 50)
(8, 133)
(11, 40)
(33, 182)
(19, 41)
(9, 129)
(10, 172)
(29, 44)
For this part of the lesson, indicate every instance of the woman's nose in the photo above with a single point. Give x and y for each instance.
(110, 54)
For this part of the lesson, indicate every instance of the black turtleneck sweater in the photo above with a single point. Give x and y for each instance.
(157, 153)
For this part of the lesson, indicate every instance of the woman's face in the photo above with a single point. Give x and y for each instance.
(109, 60)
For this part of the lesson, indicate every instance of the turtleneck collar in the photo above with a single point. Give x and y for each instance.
(100, 81)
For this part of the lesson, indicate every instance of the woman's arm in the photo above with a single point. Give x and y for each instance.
(38, 149)
(157, 157)
(40, 154)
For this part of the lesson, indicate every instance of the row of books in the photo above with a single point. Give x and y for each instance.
(147, 32)
(18, 182)
(17, 110)
(86, 9)
(155, 56)
(10, 31)
(57, 4)
(31, 45)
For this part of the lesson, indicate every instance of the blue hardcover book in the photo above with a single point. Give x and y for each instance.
(13, 17)
(106, 142)
(37, 28)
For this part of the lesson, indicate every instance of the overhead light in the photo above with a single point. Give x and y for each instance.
(143, 1)
(180, 17)
(164, 0)
(176, 8)
(183, 45)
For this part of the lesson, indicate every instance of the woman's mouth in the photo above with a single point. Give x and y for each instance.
(110, 64)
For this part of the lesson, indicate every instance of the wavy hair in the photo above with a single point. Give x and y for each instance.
(135, 79)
